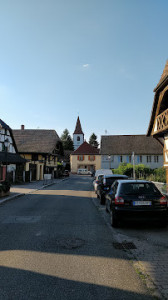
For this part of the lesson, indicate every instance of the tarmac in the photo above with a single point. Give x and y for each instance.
(150, 263)
(28, 188)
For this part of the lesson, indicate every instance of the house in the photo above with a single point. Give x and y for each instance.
(85, 157)
(42, 149)
(10, 160)
(158, 125)
(116, 149)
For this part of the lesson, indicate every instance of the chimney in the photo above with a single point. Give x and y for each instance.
(22, 127)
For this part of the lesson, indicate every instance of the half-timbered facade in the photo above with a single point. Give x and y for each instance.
(158, 126)
(9, 157)
(42, 149)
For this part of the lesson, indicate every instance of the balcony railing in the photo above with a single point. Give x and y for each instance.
(161, 123)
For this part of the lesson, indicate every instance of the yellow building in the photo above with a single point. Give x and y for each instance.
(41, 148)
(85, 157)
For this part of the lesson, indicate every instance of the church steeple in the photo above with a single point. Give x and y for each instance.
(78, 135)
(78, 128)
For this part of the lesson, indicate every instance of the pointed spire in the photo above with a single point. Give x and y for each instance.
(78, 128)
(164, 75)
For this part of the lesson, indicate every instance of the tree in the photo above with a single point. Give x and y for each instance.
(93, 140)
(67, 140)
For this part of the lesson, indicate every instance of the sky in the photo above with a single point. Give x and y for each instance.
(99, 59)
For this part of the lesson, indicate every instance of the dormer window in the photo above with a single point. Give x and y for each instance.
(78, 138)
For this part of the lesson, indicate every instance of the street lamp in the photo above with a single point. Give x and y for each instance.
(6, 143)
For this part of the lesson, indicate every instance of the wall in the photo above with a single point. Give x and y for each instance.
(75, 162)
(114, 161)
(39, 164)
(77, 143)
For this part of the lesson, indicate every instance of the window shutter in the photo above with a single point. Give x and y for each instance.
(127, 159)
(94, 157)
(83, 157)
(78, 157)
(89, 157)
(138, 159)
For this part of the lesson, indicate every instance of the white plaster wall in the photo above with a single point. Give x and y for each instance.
(114, 163)
(77, 143)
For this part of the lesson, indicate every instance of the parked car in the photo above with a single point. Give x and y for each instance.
(84, 172)
(136, 200)
(105, 183)
(98, 175)
(103, 172)
(97, 181)
(66, 173)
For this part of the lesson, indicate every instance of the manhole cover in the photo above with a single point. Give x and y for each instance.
(70, 243)
(124, 245)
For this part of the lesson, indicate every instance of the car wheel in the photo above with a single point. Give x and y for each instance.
(114, 220)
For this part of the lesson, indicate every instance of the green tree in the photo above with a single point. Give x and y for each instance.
(67, 140)
(93, 140)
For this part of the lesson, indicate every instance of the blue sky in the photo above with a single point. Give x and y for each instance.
(99, 59)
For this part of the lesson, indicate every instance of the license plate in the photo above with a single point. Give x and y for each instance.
(141, 203)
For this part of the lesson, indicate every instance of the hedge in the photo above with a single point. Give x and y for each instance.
(142, 172)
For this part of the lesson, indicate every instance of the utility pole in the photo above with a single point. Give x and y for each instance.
(133, 162)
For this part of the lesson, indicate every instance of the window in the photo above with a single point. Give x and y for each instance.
(148, 158)
(121, 158)
(78, 138)
(91, 157)
(156, 158)
(140, 158)
(130, 158)
(81, 157)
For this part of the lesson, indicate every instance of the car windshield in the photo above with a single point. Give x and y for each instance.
(110, 180)
(139, 189)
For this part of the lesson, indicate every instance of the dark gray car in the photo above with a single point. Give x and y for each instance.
(136, 200)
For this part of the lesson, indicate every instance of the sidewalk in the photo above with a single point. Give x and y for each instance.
(27, 188)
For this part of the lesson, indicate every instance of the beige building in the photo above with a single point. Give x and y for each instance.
(85, 157)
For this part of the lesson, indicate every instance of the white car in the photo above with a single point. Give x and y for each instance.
(97, 181)
(98, 175)
(84, 172)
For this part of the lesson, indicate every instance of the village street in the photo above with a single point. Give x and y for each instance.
(56, 243)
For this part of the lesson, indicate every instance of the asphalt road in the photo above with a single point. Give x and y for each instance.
(56, 245)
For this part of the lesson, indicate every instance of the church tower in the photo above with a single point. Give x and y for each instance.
(78, 135)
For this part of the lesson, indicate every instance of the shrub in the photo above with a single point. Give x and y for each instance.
(142, 172)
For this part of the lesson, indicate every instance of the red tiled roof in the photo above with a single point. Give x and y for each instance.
(78, 128)
(85, 148)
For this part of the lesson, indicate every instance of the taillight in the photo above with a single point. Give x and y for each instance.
(119, 200)
(163, 200)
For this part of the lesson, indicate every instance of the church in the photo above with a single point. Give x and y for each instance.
(84, 155)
